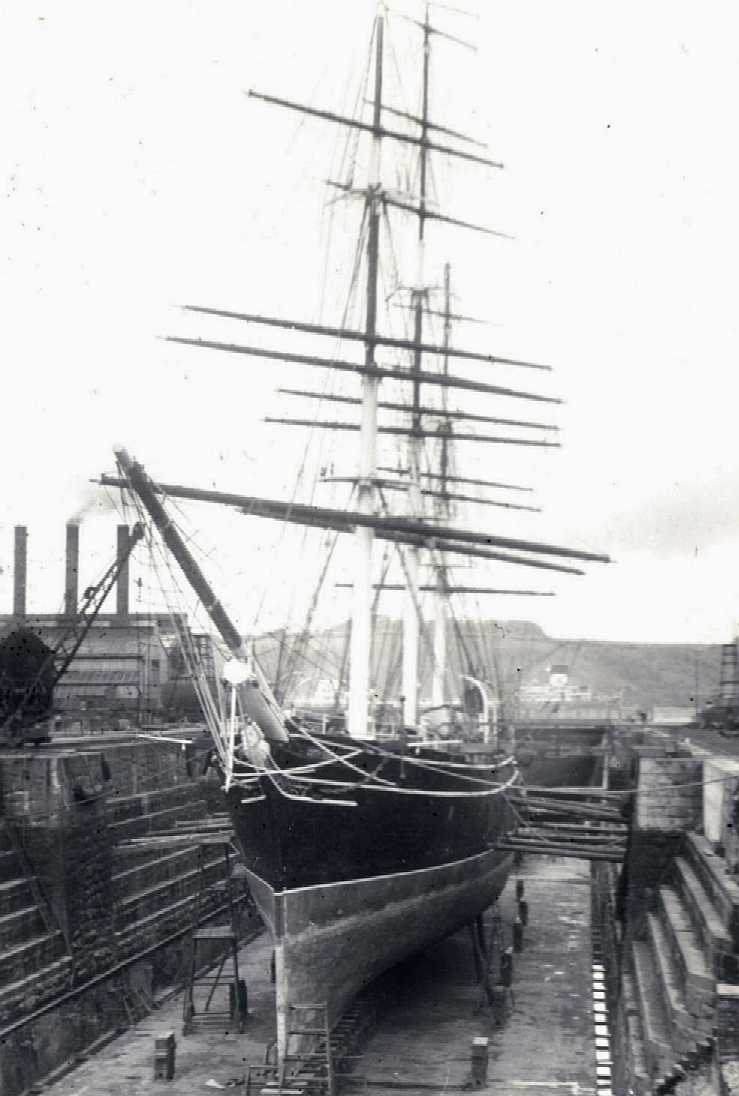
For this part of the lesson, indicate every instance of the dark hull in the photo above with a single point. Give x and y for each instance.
(332, 940)
(352, 885)
(356, 832)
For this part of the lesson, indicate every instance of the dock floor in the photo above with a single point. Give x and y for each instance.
(433, 1010)
(545, 1044)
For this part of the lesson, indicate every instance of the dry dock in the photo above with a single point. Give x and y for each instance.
(546, 1042)
(432, 1010)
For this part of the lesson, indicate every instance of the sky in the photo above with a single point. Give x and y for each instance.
(137, 176)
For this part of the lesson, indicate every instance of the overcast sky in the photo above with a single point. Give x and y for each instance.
(136, 175)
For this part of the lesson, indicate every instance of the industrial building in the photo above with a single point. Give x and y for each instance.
(128, 668)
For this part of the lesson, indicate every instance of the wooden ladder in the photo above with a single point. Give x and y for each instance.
(227, 934)
(307, 1067)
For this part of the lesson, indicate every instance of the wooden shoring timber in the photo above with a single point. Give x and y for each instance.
(545, 839)
(567, 815)
(595, 829)
(571, 806)
(613, 829)
(587, 791)
(567, 812)
(165, 839)
(590, 799)
(614, 856)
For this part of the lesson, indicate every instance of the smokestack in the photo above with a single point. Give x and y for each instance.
(20, 558)
(121, 589)
(71, 579)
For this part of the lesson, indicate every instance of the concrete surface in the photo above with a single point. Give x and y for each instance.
(125, 1067)
(433, 1008)
(547, 1041)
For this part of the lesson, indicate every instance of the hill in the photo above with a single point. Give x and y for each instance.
(509, 654)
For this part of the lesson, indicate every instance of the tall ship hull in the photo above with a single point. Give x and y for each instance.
(362, 850)
(348, 889)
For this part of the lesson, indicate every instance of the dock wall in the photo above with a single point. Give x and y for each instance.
(677, 1013)
(95, 919)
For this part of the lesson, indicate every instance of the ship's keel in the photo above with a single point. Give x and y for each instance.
(333, 939)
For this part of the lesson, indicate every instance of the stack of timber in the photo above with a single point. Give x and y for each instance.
(570, 822)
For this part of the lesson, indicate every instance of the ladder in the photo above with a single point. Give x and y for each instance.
(199, 970)
(307, 1067)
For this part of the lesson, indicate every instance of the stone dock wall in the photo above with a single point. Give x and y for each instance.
(93, 925)
(676, 926)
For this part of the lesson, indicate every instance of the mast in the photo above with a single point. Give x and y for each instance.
(360, 643)
(412, 530)
(411, 622)
(440, 593)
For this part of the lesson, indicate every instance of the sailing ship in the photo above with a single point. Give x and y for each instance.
(362, 849)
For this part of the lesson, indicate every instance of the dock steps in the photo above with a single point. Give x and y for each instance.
(654, 1020)
(707, 922)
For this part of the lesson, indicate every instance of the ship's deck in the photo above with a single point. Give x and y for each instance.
(424, 1035)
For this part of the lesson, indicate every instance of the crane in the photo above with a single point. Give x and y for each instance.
(30, 669)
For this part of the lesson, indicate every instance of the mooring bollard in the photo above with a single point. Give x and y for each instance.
(479, 1061)
(517, 935)
(242, 1006)
(523, 911)
(519, 889)
(164, 1052)
(506, 968)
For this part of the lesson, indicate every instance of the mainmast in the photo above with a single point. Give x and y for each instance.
(360, 647)
(411, 621)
